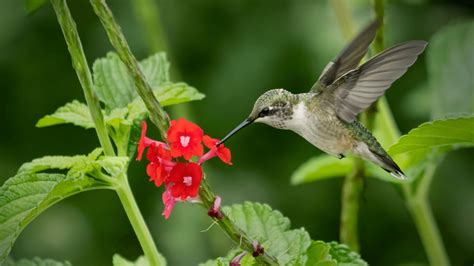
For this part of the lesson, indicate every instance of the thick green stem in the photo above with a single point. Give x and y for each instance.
(136, 219)
(79, 62)
(157, 115)
(233, 231)
(351, 189)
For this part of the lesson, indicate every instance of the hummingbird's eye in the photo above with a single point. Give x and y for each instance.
(264, 112)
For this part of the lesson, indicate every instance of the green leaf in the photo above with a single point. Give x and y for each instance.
(247, 260)
(156, 69)
(332, 254)
(272, 229)
(113, 84)
(318, 255)
(113, 165)
(438, 136)
(72, 113)
(79, 165)
(33, 5)
(326, 166)
(167, 94)
(321, 167)
(450, 69)
(58, 162)
(115, 87)
(26, 195)
(37, 262)
(344, 256)
(175, 93)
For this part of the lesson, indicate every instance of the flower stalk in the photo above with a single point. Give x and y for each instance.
(136, 220)
(79, 63)
(161, 120)
(157, 115)
(232, 230)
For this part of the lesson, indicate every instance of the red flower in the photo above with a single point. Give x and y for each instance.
(222, 152)
(185, 139)
(160, 165)
(186, 178)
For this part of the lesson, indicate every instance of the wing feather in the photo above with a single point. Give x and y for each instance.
(348, 59)
(363, 86)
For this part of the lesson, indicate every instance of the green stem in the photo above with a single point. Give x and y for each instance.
(79, 62)
(353, 182)
(351, 189)
(344, 18)
(147, 14)
(379, 42)
(136, 219)
(420, 210)
(157, 115)
(423, 217)
(232, 230)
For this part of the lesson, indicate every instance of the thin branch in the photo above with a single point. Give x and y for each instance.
(157, 115)
(79, 62)
(231, 229)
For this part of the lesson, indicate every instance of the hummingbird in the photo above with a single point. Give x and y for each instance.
(326, 116)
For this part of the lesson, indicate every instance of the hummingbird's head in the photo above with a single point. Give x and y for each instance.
(274, 108)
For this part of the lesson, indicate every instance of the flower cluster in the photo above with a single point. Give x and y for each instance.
(181, 177)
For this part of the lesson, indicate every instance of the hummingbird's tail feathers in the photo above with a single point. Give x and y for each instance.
(371, 150)
(398, 175)
(390, 166)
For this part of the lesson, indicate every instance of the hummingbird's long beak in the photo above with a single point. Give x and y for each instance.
(245, 123)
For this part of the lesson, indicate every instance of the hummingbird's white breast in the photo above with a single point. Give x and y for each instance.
(322, 130)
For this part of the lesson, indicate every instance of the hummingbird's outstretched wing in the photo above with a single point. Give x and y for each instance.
(359, 88)
(348, 59)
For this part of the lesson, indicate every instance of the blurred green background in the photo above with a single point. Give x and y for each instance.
(232, 51)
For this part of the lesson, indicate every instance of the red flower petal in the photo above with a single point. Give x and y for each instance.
(168, 201)
(224, 154)
(209, 142)
(160, 161)
(141, 142)
(157, 173)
